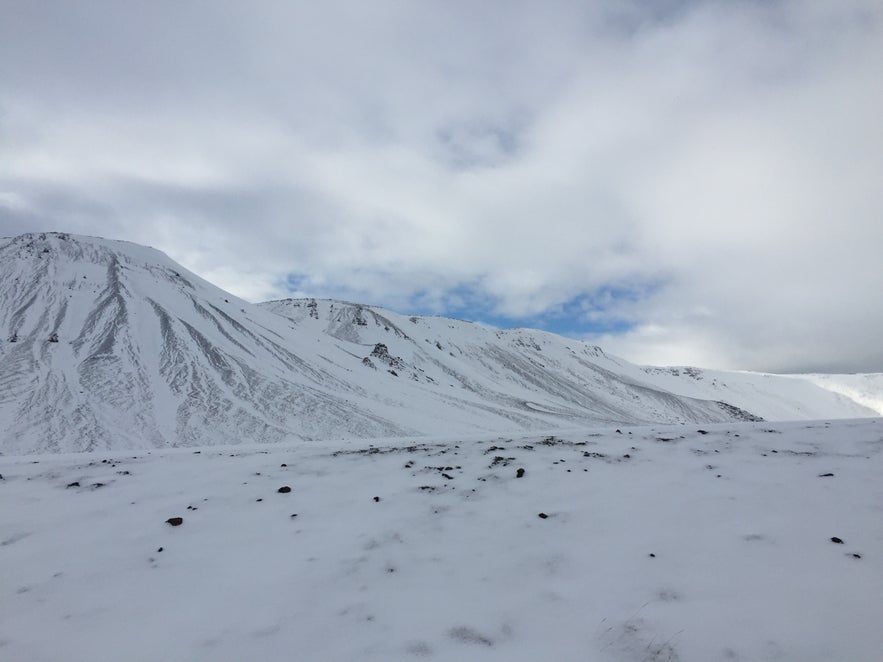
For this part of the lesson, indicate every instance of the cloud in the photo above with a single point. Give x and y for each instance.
(682, 182)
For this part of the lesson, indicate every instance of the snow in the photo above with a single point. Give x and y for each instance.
(865, 389)
(151, 356)
(739, 517)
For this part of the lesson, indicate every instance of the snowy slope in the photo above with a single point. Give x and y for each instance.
(149, 355)
(679, 543)
(520, 362)
(867, 389)
(778, 397)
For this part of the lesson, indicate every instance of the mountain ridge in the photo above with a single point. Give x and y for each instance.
(113, 345)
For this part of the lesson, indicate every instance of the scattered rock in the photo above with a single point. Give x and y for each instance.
(543, 516)
(283, 465)
(377, 499)
(470, 636)
(258, 500)
(519, 473)
(837, 540)
(159, 550)
(652, 555)
(856, 556)
(293, 515)
(284, 489)
(175, 521)
(702, 431)
(74, 484)
(827, 475)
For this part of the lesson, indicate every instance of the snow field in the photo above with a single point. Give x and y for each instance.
(453, 562)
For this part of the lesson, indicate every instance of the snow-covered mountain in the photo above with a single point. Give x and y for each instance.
(111, 345)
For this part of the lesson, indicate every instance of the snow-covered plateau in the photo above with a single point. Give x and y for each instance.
(735, 541)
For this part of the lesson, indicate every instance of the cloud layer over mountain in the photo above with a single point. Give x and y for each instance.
(683, 182)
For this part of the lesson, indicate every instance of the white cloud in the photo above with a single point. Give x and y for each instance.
(722, 158)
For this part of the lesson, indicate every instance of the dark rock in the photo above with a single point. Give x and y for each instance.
(837, 540)
(448, 476)
(519, 473)
(159, 550)
(828, 475)
(542, 516)
(856, 556)
(376, 499)
(627, 456)
(293, 515)
(652, 555)
(175, 521)
(74, 484)
(702, 431)
(284, 489)
(283, 465)
(258, 500)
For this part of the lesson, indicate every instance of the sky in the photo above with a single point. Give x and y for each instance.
(681, 182)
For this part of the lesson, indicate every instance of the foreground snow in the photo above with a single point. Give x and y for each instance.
(659, 544)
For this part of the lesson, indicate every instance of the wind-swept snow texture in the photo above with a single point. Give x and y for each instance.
(111, 345)
(738, 541)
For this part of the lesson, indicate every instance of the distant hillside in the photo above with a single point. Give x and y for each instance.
(112, 345)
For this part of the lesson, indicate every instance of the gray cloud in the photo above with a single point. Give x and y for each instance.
(722, 160)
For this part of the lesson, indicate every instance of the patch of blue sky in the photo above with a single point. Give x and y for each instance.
(603, 311)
